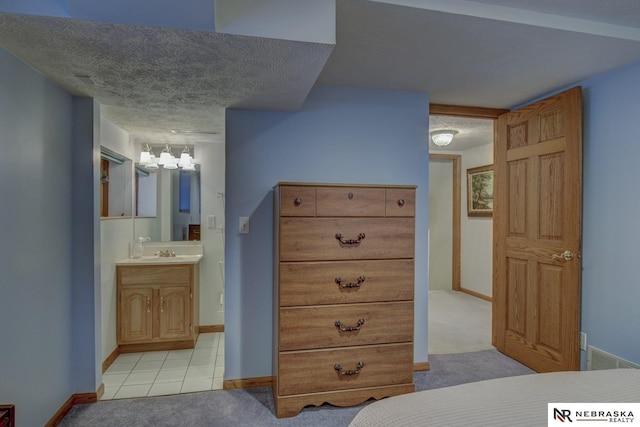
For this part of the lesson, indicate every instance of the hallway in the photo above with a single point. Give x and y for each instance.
(458, 323)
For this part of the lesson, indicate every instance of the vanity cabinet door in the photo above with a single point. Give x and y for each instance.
(174, 312)
(136, 323)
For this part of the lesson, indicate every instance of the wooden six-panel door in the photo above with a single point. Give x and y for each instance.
(537, 233)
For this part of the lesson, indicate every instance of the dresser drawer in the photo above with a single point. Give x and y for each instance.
(327, 239)
(400, 202)
(344, 325)
(155, 275)
(297, 201)
(337, 282)
(315, 370)
(350, 201)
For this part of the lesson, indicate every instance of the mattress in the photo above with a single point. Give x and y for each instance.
(511, 401)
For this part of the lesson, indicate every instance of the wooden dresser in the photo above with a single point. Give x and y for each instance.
(343, 303)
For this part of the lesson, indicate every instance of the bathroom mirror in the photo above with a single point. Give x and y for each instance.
(115, 185)
(185, 215)
(146, 188)
(167, 204)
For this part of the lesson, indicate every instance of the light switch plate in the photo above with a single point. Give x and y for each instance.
(244, 225)
(211, 221)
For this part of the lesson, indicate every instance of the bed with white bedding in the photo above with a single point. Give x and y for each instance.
(510, 401)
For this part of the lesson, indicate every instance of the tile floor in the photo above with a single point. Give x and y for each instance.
(158, 373)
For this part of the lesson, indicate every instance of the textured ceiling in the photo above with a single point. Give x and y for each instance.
(149, 80)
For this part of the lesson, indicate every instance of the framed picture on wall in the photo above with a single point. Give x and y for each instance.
(480, 191)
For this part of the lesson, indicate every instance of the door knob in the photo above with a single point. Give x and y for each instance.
(566, 255)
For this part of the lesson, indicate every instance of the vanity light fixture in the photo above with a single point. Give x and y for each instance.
(166, 158)
(145, 155)
(171, 164)
(153, 163)
(149, 161)
(443, 137)
(185, 158)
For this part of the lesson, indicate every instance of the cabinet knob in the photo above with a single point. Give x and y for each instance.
(401, 202)
(297, 201)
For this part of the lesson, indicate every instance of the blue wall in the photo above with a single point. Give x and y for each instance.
(37, 359)
(35, 188)
(85, 248)
(341, 135)
(611, 205)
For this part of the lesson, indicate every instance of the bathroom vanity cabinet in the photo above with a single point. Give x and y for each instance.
(157, 306)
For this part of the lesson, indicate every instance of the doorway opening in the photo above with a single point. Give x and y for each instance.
(460, 246)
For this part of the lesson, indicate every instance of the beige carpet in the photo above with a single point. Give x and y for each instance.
(458, 323)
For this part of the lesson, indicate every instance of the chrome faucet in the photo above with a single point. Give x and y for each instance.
(166, 253)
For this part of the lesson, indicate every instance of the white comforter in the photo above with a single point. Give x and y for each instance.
(512, 401)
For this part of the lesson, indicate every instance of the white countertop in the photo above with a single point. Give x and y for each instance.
(158, 260)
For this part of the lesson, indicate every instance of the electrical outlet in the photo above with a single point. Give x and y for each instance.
(244, 225)
(583, 341)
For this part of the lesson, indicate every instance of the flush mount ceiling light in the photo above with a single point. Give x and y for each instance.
(443, 137)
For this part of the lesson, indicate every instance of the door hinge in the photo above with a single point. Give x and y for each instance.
(190, 295)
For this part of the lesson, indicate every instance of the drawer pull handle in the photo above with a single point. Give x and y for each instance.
(350, 241)
(148, 305)
(401, 202)
(350, 285)
(297, 201)
(349, 328)
(338, 368)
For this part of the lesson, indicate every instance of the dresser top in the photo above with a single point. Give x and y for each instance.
(325, 184)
